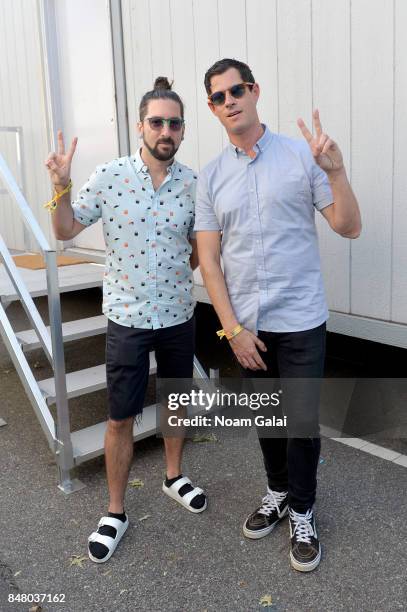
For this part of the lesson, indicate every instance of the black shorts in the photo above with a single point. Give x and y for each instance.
(128, 362)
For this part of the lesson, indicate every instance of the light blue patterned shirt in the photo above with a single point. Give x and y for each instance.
(148, 280)
(265, 209)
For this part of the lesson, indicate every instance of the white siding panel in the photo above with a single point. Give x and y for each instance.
(232, 29)
(262, 57)
(399, 277)
(206, 27)
(87, 91)
(232, 35)
(22, 104)
(372, 167)
(331, 95)
(6, 226)
(36, 137)
(294, 60)
(185, 77)
(138, 60)
(161, 39)
(10, 230)
(10, 227)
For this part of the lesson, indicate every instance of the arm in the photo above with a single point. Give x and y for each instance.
(343, 214)
(64, 224)
(245, 344)
(193, 259)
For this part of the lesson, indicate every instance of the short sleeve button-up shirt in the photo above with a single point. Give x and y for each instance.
(265, 210)
(148, 280)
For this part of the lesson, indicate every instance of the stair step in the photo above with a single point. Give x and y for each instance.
(83, 381)
(72, 330)
(88, 443)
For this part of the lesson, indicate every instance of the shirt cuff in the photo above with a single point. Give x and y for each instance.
(81, 219)
(202, 227)
(324, 203)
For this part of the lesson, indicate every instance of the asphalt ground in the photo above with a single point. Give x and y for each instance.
(173, 560)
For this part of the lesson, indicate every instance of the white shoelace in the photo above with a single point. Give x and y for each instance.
(303, 526)
(271, 501)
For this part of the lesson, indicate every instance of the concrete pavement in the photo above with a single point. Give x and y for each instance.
(172, 560)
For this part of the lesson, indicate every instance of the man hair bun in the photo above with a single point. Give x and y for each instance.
(162, 83)
(162, 91)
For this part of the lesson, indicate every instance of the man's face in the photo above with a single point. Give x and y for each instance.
(164, 142)
(236, 114)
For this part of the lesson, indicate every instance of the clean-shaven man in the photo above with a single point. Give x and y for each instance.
(255, 207)
(146, 202)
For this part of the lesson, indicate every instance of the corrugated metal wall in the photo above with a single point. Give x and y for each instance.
(22, 104)
(348, 59)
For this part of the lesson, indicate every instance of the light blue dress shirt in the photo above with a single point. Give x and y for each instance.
(148, 279)
(265, 209)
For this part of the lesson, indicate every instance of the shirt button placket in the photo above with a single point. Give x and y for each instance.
(257, 230)
(152, 261)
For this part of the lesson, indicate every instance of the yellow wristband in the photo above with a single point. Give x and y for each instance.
(52, 204)
(229, 335)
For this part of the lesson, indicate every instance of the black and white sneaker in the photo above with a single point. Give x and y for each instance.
(263, 520)
(305, 553)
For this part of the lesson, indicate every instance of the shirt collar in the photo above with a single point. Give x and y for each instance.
(260, 145)
(140, 166)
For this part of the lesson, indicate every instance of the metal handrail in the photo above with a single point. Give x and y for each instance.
(18, 131)
(32, 224)
(54, 349)
(26, 376)
(26, 300)
(29, 219)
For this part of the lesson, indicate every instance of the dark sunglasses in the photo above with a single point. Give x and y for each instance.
(237, 91)
(157, 123)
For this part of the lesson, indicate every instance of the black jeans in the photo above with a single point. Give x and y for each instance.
(291, 462)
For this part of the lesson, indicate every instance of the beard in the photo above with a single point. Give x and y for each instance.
(162, 155)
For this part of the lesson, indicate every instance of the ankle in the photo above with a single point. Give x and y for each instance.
(116, 508)
(170, 474)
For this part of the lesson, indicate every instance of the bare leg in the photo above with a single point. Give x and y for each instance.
(174, 437)
(173, 454)
(173, 451)
(118, 455)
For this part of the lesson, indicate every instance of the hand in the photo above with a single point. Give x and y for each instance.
(326, 152)
(244, 346)
(59, 164)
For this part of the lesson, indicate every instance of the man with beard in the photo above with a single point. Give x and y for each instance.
(146, 202)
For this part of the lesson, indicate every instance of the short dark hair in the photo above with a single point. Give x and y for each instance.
(161, 91)
(222, 65)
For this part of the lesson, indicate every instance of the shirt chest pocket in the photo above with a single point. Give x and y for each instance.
(286, 198)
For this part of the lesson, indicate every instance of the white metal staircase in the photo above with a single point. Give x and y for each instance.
(69, 448)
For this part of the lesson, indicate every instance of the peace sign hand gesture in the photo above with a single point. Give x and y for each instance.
(326, 152)
(59, 164)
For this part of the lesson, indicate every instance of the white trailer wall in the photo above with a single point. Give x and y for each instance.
(346, 58)
(56, 71)
(88, 107)
(22, 103)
